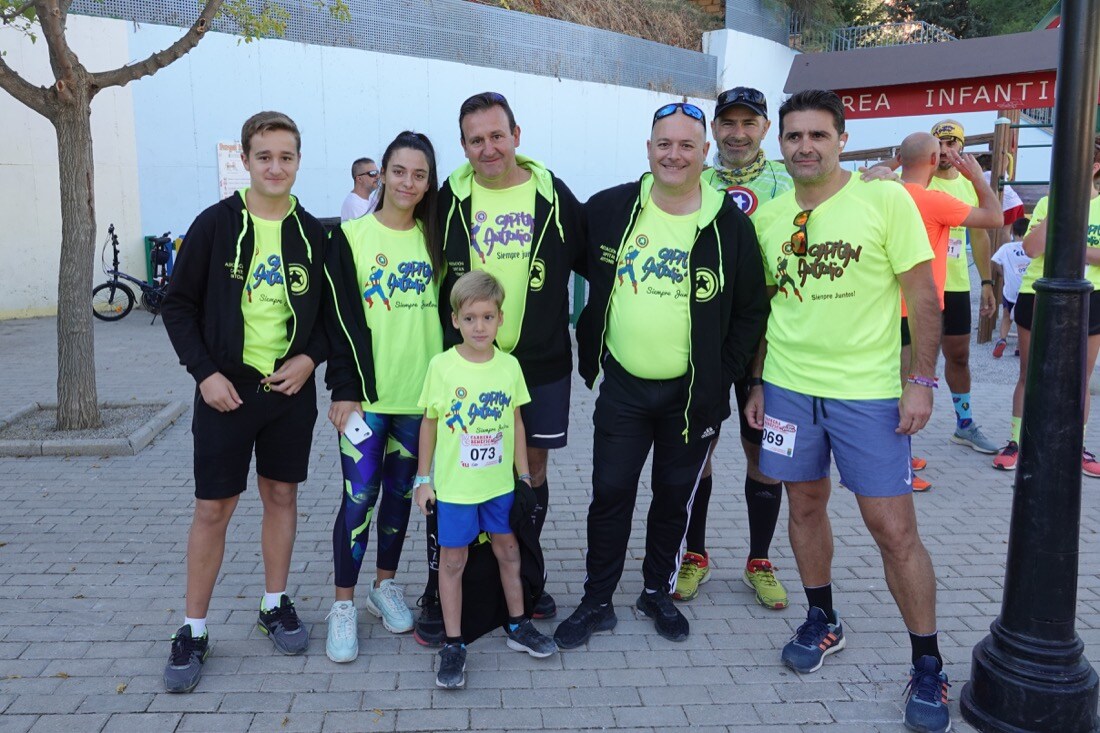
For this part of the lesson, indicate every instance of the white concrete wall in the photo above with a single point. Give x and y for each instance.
(30, 238)
(351, 103)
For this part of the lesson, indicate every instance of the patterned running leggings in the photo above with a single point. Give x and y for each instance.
(385, 464)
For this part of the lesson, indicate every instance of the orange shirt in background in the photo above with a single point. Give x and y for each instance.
(940, 212)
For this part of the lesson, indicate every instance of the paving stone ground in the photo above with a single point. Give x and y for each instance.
(92, 579)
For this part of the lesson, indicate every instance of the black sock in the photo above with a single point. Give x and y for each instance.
(542, 497)
(926, 646)
(822, 597)
(763, 502)
(514, 621)
(697, 522)
(454, 640)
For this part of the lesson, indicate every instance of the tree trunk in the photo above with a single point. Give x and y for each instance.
(77, 403)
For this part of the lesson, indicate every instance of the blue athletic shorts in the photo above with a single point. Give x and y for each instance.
(460, 524)
(801, 431)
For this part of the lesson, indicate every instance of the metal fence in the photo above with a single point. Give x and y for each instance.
(759, 17)
(463, 32)
(864, 36)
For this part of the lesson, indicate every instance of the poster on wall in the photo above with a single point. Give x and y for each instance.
(232, 175)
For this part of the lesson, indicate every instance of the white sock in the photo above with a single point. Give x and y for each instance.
(198, 626)
(272, 600)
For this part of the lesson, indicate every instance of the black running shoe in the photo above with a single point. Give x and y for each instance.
(452, 667)
(282, 626)
(586, 620)
(185, 662)
(545, 607)
(668, 620)
(428, 630)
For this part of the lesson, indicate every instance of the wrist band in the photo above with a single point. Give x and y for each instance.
(524, 477)
(987, 282)
(930, 382)
(421, 480)
(754, 382)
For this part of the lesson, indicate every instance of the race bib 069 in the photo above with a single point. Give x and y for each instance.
(481, 451)
(779, 436)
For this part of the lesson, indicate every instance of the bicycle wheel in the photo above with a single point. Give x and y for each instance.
(111, 301)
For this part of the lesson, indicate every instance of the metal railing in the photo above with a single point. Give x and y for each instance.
(864, 36)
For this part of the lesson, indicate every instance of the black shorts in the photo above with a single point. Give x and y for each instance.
(906, 337)
(1008, 304)
(277, 427)
(748, 432)
(1024, 313)
(546, 416)
(956, 313)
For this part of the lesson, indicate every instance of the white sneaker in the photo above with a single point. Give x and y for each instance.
(343, 632)
(387, 602)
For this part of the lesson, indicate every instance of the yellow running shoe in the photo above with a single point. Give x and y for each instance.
(694, 571)
(760, 576)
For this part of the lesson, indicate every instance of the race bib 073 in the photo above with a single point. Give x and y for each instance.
(481, 451)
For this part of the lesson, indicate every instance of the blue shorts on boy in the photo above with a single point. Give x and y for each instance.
(460, 524)
(801, 431)
(474, 404)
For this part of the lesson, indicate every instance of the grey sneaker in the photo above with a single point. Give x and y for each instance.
(387, 602)
(452, 667)
(975, 438)
(281, 624)
(526, 638)
(185, 662)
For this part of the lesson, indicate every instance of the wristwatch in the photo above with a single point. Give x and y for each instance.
(754, 382)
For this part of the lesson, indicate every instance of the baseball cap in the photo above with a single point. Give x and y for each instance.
(949, 128)
(754, 99)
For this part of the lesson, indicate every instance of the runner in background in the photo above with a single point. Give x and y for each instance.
(740, 169)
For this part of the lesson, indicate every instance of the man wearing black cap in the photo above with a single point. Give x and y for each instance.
(749, 179)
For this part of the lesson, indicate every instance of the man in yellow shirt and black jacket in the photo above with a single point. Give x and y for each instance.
(243, 314)
(676, 308)
(509, 215)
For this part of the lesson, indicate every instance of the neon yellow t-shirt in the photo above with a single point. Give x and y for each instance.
(958, 267)
(264, 302)
(773, 181)
(650, 299)
(475, 405)
(1035, 269)
(401, 303)
(501, 240)
(833, 329)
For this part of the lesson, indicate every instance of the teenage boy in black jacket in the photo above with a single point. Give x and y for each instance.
(509, 215)
(243, 315)
(675, 310)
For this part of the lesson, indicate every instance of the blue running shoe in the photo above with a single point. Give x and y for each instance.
(926, 698)
(814, 640)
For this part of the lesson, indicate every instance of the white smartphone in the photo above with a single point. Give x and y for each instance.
(356, 429)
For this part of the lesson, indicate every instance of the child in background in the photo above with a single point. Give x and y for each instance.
(484, 388)
(1012, 261)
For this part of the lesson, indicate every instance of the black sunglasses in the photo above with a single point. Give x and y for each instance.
(688, 109)
(372, 174)
(743, 94)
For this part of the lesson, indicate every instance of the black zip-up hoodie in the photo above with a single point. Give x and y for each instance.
(728, 309)
(544, 350)
(202, 311)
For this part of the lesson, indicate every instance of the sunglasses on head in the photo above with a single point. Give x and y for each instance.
(800, 238)
(688, 109)
(743, 94)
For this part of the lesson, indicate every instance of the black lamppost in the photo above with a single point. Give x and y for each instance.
(1030, 674)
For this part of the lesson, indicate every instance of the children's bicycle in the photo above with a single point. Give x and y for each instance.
(114, 299)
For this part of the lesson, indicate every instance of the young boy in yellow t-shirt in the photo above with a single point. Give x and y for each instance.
(472, 425)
